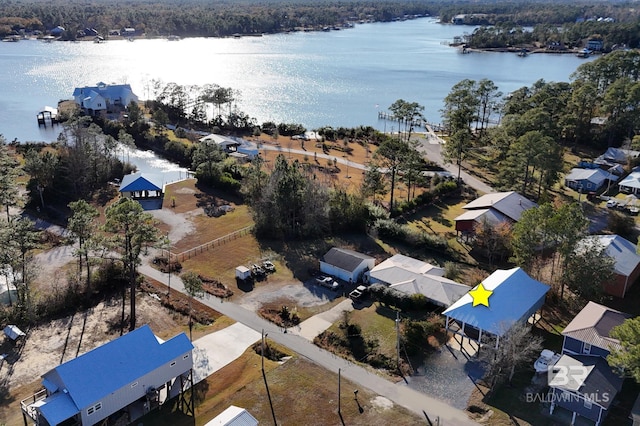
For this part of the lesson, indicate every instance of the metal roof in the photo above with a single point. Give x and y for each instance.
(413, 276)
(600, 380)
(345, 259)
(631, 181)
(593, 325)
(58, 407)
(595, 176)
(516, 296)
(622, 251)
(510, 204)
(141, 182)
(109, 367)
(233, 416)
(492, 216)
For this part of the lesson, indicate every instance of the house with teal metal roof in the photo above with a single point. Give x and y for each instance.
(510, 296)
(120, 380)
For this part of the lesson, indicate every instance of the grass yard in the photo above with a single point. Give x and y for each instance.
(377, 323)
(302, 394)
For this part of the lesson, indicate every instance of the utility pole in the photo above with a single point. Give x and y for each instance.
(169, 264)
(398, 339)
(338, 391)
(264, 377)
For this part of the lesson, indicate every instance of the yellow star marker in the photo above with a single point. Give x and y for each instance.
(480, 295)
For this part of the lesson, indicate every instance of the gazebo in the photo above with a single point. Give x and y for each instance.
(495, 305)
(141, 186)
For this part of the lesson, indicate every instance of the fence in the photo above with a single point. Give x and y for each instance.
(188, 254)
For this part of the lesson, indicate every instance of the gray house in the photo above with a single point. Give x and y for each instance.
(120, 380)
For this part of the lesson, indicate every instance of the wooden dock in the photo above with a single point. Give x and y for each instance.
(415, 123)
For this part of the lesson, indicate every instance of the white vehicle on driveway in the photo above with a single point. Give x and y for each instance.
(327, 282)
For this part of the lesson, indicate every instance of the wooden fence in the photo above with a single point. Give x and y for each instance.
(188, 254)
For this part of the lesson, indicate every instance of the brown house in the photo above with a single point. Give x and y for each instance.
(495, 208)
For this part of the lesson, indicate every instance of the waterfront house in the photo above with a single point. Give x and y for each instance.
(583, 385)
(588, 333)
(345, 264)
(235, 147)
(514, 297)
(120, 380)
(627, 262)
(495, 207)
(103, 98)
(412, 276)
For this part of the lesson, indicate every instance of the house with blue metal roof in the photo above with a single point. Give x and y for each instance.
(122, 379)
(511, 296)
(101, 98)
(141, 185)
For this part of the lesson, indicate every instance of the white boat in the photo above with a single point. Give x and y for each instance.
(547, 359)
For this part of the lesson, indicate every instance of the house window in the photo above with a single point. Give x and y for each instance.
(587, 348)
(172, 363)
(587, 403)
(185, 356)
(90, 411)
(134, 384)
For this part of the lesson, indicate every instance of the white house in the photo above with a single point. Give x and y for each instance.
(412, 276)
(631, 184)
(236, 147)
(103, 97)
(345, 264)
(122, 379)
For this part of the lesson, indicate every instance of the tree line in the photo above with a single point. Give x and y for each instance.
(196, 18)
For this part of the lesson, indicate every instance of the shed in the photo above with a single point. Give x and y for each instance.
(514, 297)
(233, 416)
(13, 332)
(345, 264)
(242, 272)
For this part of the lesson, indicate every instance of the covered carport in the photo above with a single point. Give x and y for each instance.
(511, 295)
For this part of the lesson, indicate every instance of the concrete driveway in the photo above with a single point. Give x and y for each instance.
(215, 350)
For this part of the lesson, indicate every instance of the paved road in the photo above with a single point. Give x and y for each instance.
(398, 393)
(428, 143)
(431, 145)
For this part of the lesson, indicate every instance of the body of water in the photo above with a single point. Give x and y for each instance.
(336, 78)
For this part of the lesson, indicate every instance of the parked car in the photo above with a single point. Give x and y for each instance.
(358, 293)
(268, 266)
(256, 270)
(327, 282)
(611, 203)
